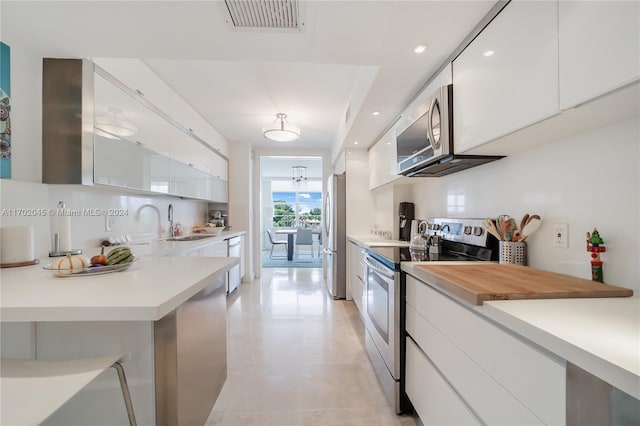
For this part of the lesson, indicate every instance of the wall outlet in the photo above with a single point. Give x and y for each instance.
(561, 235)
(109, 223)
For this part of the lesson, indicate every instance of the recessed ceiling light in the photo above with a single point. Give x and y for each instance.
(388, 143)
(355, 142)
(375, 113)
(419, 49)
(488, 53)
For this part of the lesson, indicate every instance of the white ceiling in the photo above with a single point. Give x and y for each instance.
(281, 167)
(239, 79)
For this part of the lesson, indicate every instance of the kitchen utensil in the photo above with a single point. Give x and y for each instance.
(505, 227)
(532, 226)
(523, 222)
(491, 228)
(476, 282)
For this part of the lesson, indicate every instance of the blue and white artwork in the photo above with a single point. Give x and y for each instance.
(5, 112)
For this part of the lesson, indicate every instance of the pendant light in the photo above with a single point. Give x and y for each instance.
(281, 130)
(299, 174)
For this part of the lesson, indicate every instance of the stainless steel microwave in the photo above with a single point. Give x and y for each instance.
(425, 148)
(429, 137)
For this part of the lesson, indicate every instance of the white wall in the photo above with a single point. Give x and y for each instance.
(241, 209)
(361, 213)
(588, 180)
(87, 231)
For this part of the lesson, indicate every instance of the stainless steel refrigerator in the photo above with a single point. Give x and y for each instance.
(335, 234)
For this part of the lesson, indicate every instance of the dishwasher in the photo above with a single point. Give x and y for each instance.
(234, 250)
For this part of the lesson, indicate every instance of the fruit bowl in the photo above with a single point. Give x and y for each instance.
(214, 230)
(92, 270)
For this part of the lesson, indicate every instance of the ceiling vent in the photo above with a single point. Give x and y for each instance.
(282, 14)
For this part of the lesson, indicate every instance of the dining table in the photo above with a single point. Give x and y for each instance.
(290, 232)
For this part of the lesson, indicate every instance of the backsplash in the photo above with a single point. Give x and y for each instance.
(588, 180)
(140, 216)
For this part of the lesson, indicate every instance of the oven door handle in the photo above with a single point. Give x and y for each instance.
(380, 271)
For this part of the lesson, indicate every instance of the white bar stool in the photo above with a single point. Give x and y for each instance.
(32, 390)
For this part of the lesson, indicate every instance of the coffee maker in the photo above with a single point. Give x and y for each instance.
(405, 216)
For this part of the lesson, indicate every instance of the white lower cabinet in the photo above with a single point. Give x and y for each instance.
(355, 275)
(501, 377)
(433, 399)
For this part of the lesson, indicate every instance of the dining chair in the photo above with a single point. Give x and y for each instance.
(274, 242)
(304, 237)
(32, 390)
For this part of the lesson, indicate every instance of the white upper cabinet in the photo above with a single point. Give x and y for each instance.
(507, 78)
(382, 160)
(138, 76)
(599, 48)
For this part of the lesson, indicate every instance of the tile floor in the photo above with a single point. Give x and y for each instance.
(296, 357)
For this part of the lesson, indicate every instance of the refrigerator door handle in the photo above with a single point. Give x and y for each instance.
(327, 251)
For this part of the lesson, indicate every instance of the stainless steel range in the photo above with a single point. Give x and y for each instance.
(449, 240)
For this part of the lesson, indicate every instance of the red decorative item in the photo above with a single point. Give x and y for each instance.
(594, 245)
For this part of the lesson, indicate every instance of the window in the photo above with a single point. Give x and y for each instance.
(299, 208)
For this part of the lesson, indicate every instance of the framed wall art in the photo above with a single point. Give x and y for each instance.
(5, 111)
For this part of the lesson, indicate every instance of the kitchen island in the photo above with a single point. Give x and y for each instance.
(168, 313)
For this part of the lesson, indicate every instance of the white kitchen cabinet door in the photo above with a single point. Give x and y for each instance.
(217, 166)
(383, 161)
(187, 117)
(355, 280)
(138, 76)
(507, 78)
(434, 400)
(216, 140)
(599, 48)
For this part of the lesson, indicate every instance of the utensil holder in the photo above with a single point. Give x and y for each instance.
(513, 252)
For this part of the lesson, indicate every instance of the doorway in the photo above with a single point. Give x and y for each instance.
(291, 211)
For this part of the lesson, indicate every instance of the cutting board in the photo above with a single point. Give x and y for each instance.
(477, 282)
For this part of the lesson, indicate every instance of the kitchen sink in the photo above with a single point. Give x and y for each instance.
(189, 238)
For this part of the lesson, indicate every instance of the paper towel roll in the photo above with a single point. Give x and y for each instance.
(61, 225)
(16, 244)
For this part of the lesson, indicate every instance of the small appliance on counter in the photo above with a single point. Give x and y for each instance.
(61, 232)
(405, 218)
(440, 239)
(16, 246)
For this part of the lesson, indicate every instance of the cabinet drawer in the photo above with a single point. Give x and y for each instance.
(491, 401)
(533, 377)
(434, 400)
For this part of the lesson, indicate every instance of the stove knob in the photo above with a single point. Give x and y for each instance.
(467, 230)
(436, 227)
(478, 231)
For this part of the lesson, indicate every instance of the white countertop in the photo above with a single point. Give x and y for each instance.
(146, 291)
(600, 335)
(367, 241)
(162, 247)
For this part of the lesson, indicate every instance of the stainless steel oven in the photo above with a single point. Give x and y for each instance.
(458, 240)
(382, 318)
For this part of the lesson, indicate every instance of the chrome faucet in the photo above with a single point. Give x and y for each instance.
(171, 230)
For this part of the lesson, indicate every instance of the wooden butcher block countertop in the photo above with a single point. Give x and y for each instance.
(477, 282)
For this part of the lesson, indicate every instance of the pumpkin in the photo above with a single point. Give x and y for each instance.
(99, 259)
(71, 264)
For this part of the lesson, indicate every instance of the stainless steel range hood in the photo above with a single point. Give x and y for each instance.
(451, 164)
